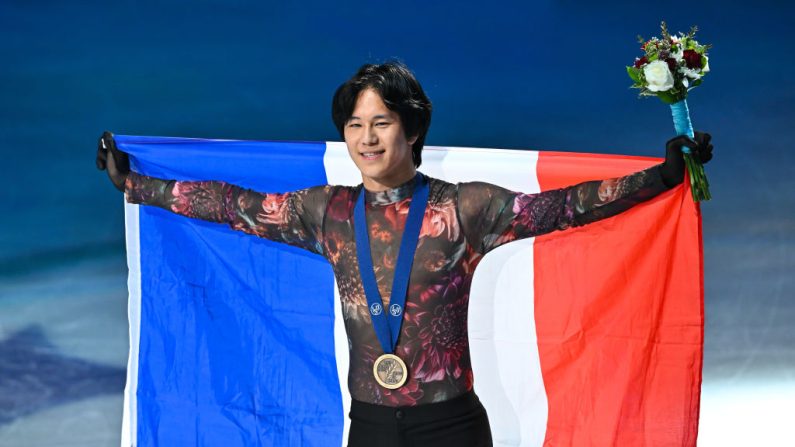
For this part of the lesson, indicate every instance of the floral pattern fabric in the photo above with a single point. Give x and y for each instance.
(462, 223)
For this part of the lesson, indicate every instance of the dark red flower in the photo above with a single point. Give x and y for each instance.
(671, 64)
(341, 207)
(442, 339)
(692, 59)
(641, 61)
(444, 292)
(204, 199)
(397, 213)
(408, 394)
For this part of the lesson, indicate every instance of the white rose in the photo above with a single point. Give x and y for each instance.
(658, 76)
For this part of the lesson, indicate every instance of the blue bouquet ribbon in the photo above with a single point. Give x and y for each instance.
(682, 123)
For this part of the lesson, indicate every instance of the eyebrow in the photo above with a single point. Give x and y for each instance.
(375, 117)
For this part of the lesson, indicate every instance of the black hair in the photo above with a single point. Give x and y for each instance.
(401, 93)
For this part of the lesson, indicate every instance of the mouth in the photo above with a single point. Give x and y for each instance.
(374, 155)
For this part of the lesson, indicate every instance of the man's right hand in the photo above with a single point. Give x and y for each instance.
(111, 158)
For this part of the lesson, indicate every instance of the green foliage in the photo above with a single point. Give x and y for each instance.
(634, 74)
(668, 97)
(664, 31)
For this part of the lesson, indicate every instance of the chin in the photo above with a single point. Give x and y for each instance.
(372, 171)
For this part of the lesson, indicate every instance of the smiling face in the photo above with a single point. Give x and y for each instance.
(377, 143)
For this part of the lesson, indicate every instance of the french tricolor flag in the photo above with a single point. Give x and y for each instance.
(588, 336)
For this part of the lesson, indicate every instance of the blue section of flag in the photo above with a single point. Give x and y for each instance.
(236, 345)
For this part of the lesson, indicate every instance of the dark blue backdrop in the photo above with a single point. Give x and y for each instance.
(541, 75)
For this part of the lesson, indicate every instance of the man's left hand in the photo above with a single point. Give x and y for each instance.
(673, 170)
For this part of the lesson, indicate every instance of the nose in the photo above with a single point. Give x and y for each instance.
(370, 137)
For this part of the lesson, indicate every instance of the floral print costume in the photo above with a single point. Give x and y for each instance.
(462, 223)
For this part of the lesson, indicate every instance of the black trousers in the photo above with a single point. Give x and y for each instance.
(461, 422)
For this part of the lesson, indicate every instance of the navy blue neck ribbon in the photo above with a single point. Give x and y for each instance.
(388, 328)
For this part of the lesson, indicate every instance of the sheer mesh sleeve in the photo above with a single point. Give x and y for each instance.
(293, 218)
(491, 215)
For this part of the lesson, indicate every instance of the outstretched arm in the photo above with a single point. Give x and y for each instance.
(293, 217)
(492, 215)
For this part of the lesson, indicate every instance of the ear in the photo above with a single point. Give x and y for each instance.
(413, 140)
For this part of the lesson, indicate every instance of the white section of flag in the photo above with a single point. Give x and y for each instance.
(130, 413)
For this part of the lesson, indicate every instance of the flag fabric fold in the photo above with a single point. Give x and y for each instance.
(588, 336)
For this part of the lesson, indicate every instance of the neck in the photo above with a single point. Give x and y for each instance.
(388, 182)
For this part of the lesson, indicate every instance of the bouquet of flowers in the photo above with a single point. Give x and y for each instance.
(671, 67)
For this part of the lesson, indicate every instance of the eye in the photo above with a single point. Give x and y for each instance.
(354, 125)
(382, 124)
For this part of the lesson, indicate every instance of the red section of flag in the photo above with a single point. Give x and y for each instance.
(619, 314)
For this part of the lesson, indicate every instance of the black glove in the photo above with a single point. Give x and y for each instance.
(116, 161)
(673, 170)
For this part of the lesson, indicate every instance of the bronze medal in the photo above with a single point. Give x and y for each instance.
(390, 371)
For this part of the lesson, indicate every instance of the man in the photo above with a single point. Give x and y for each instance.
(404, 248)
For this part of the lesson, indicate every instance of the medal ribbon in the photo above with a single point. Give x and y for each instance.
(387, 328)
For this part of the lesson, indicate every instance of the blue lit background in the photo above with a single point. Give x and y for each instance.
(539, 75)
